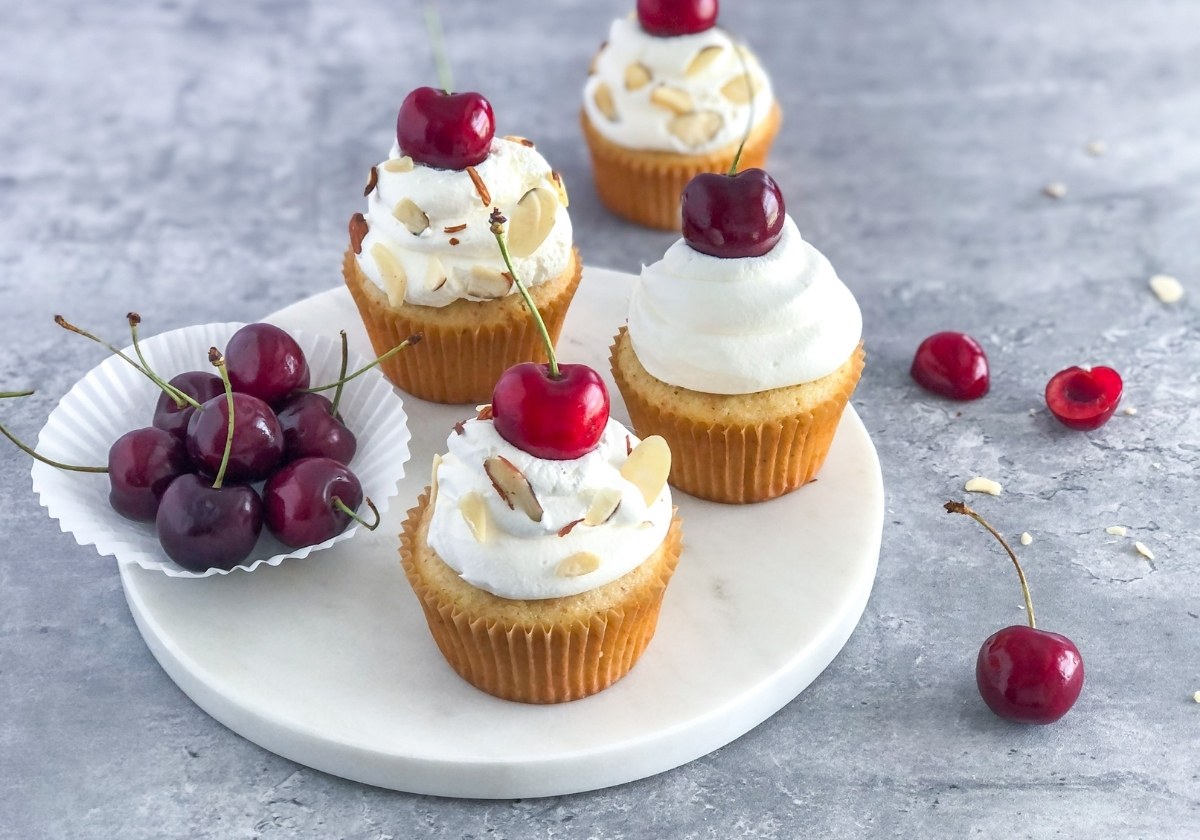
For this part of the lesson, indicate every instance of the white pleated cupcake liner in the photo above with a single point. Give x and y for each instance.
(114, 399)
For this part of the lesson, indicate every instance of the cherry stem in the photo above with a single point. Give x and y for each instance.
(4, 395)
(218, 361)
(337, 395)
(498, 221)
(179, 397)
(415, 338)
(433, 24)
(959, 507)
(28, 450)
(750, 115)
(344, 508)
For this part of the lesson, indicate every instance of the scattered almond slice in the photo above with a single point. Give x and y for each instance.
(1116, 530)
(1166, 288)
(704, 59)
(372, 180)
(637, 76)
(394, 277)
(358, 231)
(569, 527)
(697, 128)
(485, 412)
(1129, 411)
(400, 164)
(516, 138)
(531, 221)
(648, 466)
(604, 102)
(675, 100)
(433, 479)
(1055, 189)
(979, 484)
(604, 506)
(481, 189)
(488, 283)
(435, 274)
(512, 485)
(560, 188)
(1196, 696)
(578, 564)
(1144, 550)
(455, 228)
(741, 89)
(411, 216)
(474, 511)
(1026, 538)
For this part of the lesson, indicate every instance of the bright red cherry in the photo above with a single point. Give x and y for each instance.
(445, 130)
(1084, 399)
(665, 18)
(1029, 676)
(555, 418)
(265, 362)
(951, 364)
(732, 216)
(301, 501)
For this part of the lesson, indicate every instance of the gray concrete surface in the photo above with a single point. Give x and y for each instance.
(198, 161)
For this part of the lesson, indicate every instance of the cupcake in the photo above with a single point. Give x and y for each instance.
(422, 258)
(742, 346)
(671, 95)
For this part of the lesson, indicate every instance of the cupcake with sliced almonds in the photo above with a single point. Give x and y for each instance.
(422, 258)
(670, 95)
(541, 552)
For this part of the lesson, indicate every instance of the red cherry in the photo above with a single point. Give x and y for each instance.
(298, 501)
(203, 527)
(257, 438)
(1084, 399)
(558, 419)
(732, 216)
(141, 466)
(1029, 676)
(951, 364)
(445, 130)
(265, 362)
(665, 18)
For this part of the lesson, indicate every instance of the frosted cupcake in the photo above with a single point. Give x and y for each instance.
(671, 95)
(422, 258)
(742, 347)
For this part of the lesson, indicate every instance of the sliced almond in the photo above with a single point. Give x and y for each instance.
(531, 222)
(604, 102)
(524, 141)
(1166, 288)
(435, 274)
(648, 466)
(704, 59)
(979, 484)
(474, 510)
(578, 564)
(411, 216)
(455, 228)
(604, 506)
(673, 99)
(1116, 530)
(433, 479)
(358, 231)
(512, 485)
(637, 76)
(569, 527)
(372, 180)
(696, 128)
(485, 195)
(485, 412)
(393, 274)
(487, 283)
(400, 164)
(741, 89)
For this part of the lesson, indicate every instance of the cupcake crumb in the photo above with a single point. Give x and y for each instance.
(1026, 538)
(1116, 530)
(979, 484)
(1167, 288)
(1144, 550)
(1055, 189)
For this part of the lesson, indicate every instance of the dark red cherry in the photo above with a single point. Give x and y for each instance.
(1084, 399)
(265, 362)
(558, 419)
(665, 18)
(257, 439)
(311, 430)
(299, 501)
(198, 385)
(141, 465)
(445, 130)
(953, 365)
(202, 527)
(732, 216)
(1029, 676)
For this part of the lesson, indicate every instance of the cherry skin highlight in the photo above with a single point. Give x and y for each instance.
(257, 439)
(731, 216)
(1029, 676)
(1084, 399)
(953, 365)
(557, 419)
(666, 18)
(445, 130)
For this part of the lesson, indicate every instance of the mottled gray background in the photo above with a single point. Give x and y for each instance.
(198, 161)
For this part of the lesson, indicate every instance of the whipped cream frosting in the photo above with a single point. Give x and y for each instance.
(740, 326)
(686, 93)
(519, 558)
(429, 241)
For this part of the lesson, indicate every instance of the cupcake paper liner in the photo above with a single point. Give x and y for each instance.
(544, 656)
(114, 399)
(645, 186)
(467, 344)
(738, 463)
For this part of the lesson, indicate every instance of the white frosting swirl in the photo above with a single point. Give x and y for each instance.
(640, 122)
(519, 557)
(449, 200)
(740, 326)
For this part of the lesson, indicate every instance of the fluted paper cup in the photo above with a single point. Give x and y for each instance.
(114, 399)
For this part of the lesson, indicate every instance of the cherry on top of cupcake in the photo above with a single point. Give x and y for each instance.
(667, 18)
(445, 130)
(732, 215)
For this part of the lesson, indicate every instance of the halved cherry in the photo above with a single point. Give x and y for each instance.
(1084, 399)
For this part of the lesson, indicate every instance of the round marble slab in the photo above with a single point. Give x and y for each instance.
(328, 662)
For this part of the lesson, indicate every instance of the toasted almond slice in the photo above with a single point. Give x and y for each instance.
(697, 128)
(560, 188)
(531, 222)
(569, 527)
(394, 277)
(604, 102)
(741, 89)
(372, 180)
(455, 228)
(433, 479)
(637, 76)
(979, 484)
(512, 485)
(411, 216)
(485, 413)
(358, 231)
(648, 466)
(474, 510)
(400, 164)
(704, 59)
(485, 195)
(435, 274)
(487, 283)
(516, 138)
(578, 564)
(604, 506)
(675, 100)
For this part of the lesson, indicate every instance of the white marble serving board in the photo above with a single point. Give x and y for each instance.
(327, 661)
